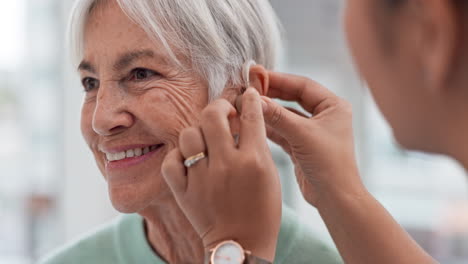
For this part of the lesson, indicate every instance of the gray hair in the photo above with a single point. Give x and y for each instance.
(217, 36)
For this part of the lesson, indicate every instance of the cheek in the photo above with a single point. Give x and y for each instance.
(364, 49)
(350, 26)
(386, 74)
(173, 109)
(373, 65)
(360, 36)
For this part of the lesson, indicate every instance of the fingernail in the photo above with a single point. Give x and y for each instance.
(266, 99)
(252, 90)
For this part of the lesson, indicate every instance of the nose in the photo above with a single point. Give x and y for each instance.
(111, 114)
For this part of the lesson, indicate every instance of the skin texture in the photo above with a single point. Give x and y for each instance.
(124, 106)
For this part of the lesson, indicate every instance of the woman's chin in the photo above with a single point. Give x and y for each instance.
(131, 199)
(126, 208)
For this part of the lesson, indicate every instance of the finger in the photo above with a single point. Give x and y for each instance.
(297, 112)
(252, 124)
(280, 119)
(309, 94)
(173, 171)
(191, 143)
(278, 139)
(215, 127)
(238, 103)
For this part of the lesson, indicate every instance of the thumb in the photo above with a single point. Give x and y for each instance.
(281, 120)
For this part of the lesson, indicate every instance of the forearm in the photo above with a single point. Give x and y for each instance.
(364, 232)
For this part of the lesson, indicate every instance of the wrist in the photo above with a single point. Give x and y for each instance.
(337, 196)
(261, 252)
(261, 243)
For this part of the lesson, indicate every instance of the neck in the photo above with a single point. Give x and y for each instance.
(171, 235)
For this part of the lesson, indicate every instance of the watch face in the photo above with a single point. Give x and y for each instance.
(228, 253)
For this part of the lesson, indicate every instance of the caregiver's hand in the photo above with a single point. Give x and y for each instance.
(322, 146)
(323, 152)
(235, 192)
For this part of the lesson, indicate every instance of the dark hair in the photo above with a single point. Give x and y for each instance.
(394, 4)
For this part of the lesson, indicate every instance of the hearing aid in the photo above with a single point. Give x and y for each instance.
(246, 83)
(246, 74)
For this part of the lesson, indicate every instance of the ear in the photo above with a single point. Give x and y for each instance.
(259, 79)
(439, 39)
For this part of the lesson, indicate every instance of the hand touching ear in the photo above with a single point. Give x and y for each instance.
(321, 146)
(234, 192)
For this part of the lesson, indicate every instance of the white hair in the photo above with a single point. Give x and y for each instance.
(217, 36)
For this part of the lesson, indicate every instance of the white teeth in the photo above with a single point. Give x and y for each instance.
(120, 156)
(115, 156)
(110, 157)
(138, 152)
(130, 153)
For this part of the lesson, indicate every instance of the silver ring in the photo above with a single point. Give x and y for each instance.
(192, 160)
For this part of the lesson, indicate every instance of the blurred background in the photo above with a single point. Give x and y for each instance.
(52, 192)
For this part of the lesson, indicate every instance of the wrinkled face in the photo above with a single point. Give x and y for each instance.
(136, 103)
(387, 58)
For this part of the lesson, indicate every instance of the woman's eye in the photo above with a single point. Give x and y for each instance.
(90, 84)
(142, 74)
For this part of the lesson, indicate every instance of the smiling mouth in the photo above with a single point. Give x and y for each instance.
(132, 153)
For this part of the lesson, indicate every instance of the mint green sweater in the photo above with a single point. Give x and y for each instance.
(123, 241)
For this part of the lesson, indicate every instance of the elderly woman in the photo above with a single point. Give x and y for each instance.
(148, 69)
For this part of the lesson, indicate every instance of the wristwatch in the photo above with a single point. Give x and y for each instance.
(231, 252)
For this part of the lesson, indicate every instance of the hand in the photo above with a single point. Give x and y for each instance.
(235, 192)
(322, 149)
(321, 146)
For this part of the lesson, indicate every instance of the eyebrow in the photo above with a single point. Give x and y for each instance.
(127, 59)
(123, 61)
(86, 66)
